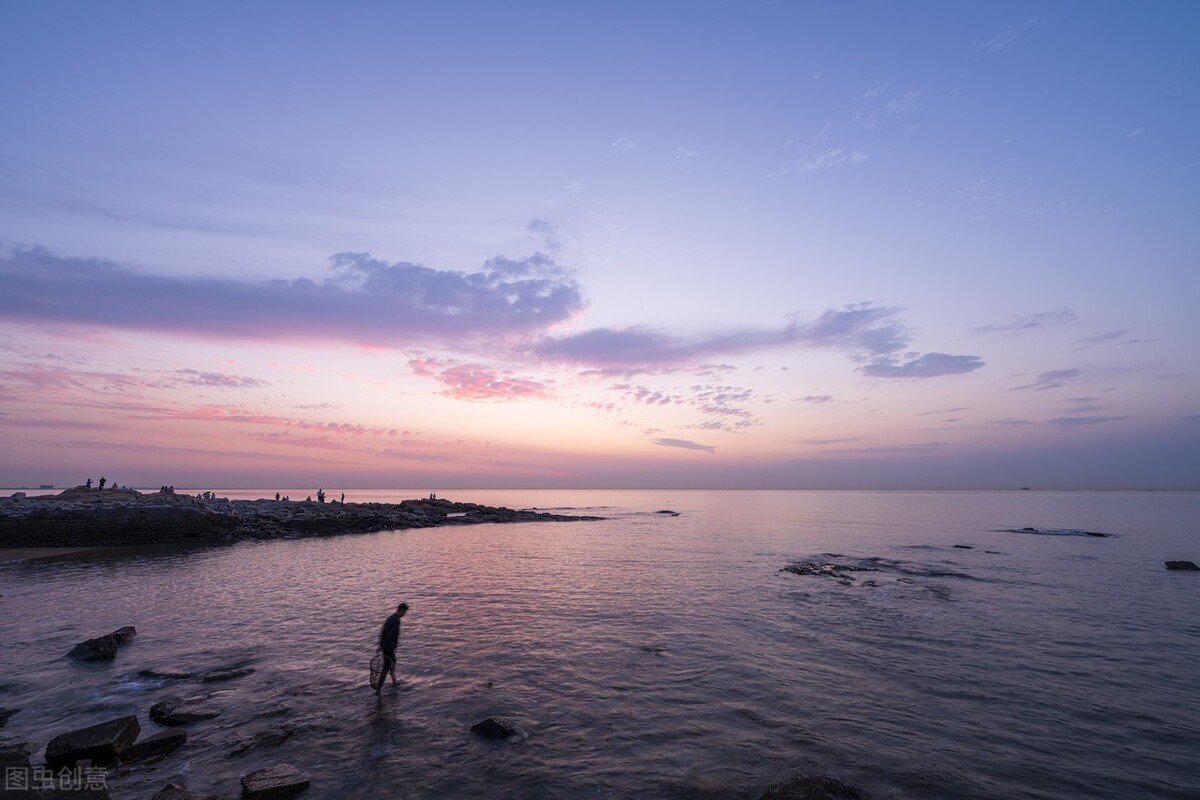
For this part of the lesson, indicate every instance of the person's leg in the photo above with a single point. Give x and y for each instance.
(388, 663)
(389, 666)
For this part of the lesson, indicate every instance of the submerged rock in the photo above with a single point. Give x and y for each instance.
(175, 711)
(173, 791)
(226, 674)
(164, 674)
(1187, 565)
(274, 783)
(498, 728)
(5, 713)
(811, 787)
(101, 743)
(1058, 532)
(159, 744)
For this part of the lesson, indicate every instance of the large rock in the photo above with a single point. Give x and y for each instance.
(159, 744)
(174, 791)
(103, 648)
(101, 743)
(1181, 565)
(811, 787)
(274, 783)
(182, 710)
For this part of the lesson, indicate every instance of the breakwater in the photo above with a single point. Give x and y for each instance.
(83, 517)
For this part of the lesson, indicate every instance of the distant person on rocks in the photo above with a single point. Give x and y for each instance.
(88, 485)
(389, 637)
(277, 495)
(320, 495)
(343, 500)
(102, 481)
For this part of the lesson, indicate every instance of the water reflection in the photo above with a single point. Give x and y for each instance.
(645, 655)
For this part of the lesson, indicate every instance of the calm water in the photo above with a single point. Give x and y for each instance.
(654, 656)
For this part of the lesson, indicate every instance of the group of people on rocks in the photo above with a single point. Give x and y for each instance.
(320, 497)
(103, 481)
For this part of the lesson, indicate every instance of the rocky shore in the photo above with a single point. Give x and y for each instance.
(83, 517)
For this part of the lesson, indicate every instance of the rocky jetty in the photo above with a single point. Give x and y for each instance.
(83, 517)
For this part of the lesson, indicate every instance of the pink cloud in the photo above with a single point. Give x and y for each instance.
(477, 382)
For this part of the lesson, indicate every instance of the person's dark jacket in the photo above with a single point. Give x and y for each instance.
(389, 637)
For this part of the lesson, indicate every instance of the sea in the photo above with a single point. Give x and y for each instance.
(962, 644)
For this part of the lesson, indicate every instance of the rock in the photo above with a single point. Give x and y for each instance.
(668, 513)
(164, 674)
(271, 737)
(173, 791)
(159, 744)
(17, 496)
(964, 547)
(13, 759)
(274, 783)
(181, 710)
(103, 648)
(811, 787)
(225, 674)
(497, 728)
(123, 635)
(101, 743)
(5, 713)
(1181, 565)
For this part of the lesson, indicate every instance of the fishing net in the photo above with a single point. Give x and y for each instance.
(377, 671)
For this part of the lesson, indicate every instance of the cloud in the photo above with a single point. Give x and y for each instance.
(1081, 422)
(196, 378)
(684, 444)
(1080, 405)
(906, 103)
(477, 382)
(817, 398)
(364, 300)
(1106, 336)
(1029, 322)
(1005, 37)
(837, 157)
(863, 327)
(1054, 379)
(926, 365)
(1012, 422)
(863, 330)
(938, 411)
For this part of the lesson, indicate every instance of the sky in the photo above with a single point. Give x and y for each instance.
(608, 245)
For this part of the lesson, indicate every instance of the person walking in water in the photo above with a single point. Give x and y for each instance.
(389, 637)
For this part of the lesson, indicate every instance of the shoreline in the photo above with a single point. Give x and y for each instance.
(81, 518)
(34, 553)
